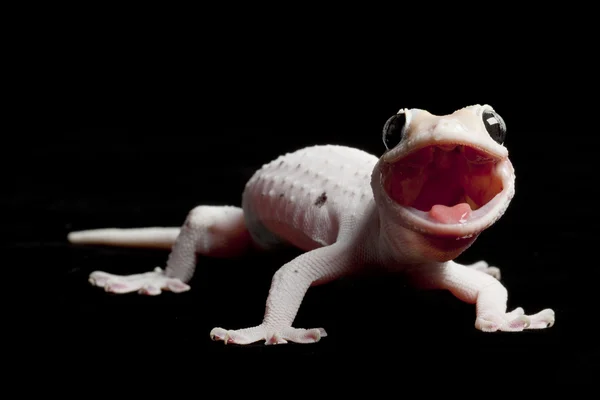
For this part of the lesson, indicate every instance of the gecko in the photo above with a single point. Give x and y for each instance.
(440, 182)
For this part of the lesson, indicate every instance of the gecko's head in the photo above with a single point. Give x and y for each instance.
(448, 177)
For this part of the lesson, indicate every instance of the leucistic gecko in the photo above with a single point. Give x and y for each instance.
(441, 182)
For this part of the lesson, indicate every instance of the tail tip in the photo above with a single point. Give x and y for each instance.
(73, 237)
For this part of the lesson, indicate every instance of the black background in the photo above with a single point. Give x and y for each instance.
(129, 144)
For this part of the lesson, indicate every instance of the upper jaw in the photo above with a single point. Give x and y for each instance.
(492, 150)
(483, 173)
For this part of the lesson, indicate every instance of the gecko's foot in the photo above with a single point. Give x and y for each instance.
(485, 268)
(270, 336)
(515, 321)
(149, 283)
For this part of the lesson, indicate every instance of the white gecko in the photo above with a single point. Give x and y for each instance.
(440, 183)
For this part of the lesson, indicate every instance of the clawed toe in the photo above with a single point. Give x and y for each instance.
(98, 278)
(117, 287)
(304, 335)
(543, 319)
(218, 334)
(276, 339)
(176, 286)
(488, 323)
(150, 290)
(242, 336)
(485, 268)
(517, 324)
(494, 272)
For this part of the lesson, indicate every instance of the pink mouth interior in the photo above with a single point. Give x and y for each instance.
(447, 182)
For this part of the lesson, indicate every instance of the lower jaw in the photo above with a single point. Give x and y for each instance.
(439, 232)
(447, 248)
(474, 215)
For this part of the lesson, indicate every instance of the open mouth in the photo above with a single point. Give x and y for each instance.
(445, 183)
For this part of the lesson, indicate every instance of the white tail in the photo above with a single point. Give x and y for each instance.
(155, 237)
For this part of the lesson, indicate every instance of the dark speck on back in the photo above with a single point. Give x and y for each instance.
(322, 199)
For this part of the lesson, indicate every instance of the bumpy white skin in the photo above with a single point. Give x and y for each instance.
(329, 202)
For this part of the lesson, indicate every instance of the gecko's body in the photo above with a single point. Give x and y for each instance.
(305, 197)
(443, 180)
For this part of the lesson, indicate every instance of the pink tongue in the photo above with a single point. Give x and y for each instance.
(450, 215)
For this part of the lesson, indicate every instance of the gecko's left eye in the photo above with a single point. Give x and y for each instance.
(393, 130)
(495, 126)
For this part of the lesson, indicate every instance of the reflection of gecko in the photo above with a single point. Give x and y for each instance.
(441, 182)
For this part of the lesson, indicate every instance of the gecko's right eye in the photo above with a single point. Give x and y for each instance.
(495, 125)
(393, 130)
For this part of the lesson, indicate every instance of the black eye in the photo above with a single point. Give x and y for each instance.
(393, 130)
(495, 125)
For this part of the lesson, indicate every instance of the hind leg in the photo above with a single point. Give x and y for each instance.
(215, 231)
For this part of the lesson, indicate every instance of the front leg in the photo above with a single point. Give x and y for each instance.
(489, 295)
(288, 287)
